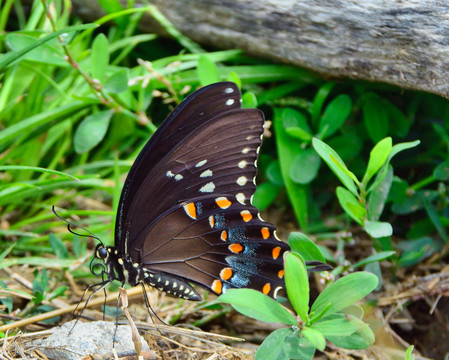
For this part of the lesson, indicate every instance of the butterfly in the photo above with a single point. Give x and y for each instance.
(185, 214)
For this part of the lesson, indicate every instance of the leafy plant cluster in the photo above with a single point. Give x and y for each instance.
(74, 112)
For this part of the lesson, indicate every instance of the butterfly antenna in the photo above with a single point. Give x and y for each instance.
(75, 225)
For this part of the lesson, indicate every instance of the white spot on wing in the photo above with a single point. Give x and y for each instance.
(229, 102)
(229, 90)
(206, 173)
(208, 188)
(242, 164)
(201, 163)
(242, 180)
(246, 150)
(178, 177)
(241, 198)
(170, 174)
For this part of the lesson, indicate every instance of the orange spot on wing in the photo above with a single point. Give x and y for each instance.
(217, 286)
(226, 273)
(190, 210)
(224, 235)
(246, 215)
(275, 252)
(211, 221)
(281, 273)
(223, 202)
(265, 232)
(235, 248)
(266, 288)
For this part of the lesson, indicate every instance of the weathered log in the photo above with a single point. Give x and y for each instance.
(404, 43)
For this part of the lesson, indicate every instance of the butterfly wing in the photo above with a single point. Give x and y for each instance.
(196, 109)
(217, 242)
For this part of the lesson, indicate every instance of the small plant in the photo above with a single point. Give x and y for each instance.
(363, 200)
(333, 316)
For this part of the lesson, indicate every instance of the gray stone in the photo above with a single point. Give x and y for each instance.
(90, 338)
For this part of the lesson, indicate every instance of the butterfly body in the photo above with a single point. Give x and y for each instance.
(186, 214)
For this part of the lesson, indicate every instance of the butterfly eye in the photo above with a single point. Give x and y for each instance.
(102, 253)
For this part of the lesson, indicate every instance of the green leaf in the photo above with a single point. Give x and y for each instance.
(408, 353)
(335, 115)
(100, 57)
(344, 292)
(305, 166)
(299, 133)
(297, 284)
(378, 197)
(273, 346)
(337, 165)
(378, 229)
(399, 123)
(254, 304)
(9, 58)
(287, 148)
(58, 247)
(265, 194)
(298, 347)
(273, 173)
(249, 100)
(320, 97)
(315, 337)
(117, 82)
(401, 147)
(375, 117)
(351, 205)
(373, 258)
(338, 325)
(91, 131)
(300, 243)
(378, 156)
(207, 71)
(361, 339)
(441, 172)
(435, 218)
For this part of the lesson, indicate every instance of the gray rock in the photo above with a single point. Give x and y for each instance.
(90, 338)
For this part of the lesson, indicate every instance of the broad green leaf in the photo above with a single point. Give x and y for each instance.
(288, 148)
(207, 71)
(305, 166)
(344, 292)
(300, 243)
(91, 131)
(441, 172)
(338, 325)
(399, 124)
(299, 133)
(361, 339)
(298, 347)
(378, 156)
(100, 57)
(373, 258)
(378, 229)
(232, 76)
(274, 174)
(315, 337)
(375, 117)
(401, 147)
(273, 346)
(337, 165)
(416, 250)
(351, 205)
(254, 304)
(435, 218)
(117, 82)
(297, 284)
(249, 100)
(378, 197)
(320, 97)
(335, 115)
(265, 194)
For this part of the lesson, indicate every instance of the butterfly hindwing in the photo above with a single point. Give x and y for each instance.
(223, 243)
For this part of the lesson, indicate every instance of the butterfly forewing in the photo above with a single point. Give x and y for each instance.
(196, 109)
